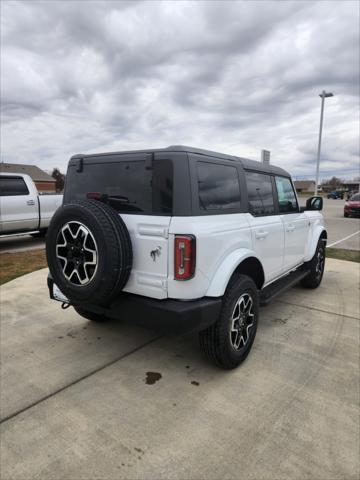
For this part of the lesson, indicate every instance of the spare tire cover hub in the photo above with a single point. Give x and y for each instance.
(77, 253)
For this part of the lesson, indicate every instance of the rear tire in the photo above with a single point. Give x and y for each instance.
(228, 341)
(94, 317)
(317, 267)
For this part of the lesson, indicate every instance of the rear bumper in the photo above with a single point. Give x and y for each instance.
(174, 316)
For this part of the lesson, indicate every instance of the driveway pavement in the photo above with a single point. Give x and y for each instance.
(75, 404)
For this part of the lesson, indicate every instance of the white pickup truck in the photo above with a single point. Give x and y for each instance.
(22, 209)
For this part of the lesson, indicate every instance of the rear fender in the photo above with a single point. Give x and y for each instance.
(227, 268)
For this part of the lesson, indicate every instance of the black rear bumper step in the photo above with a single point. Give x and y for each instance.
(168, 315)
(281, 285)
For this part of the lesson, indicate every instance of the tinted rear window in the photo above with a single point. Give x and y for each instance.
(260, 194)
(128, 186)
(11, 186)
(355, 198)
(218, 186)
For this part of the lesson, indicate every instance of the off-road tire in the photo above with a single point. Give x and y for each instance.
(94, 317)
(215, 341)
(313, 279)
(114, 252)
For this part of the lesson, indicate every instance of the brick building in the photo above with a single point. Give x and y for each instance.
(304, 186)
(44, 182)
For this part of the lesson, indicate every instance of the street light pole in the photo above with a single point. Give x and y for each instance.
(323, 95)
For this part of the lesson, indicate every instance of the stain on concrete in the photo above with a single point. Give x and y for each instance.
(282, 321)
(195, 383)
(152, 377)
(60, 337)
(187, 366)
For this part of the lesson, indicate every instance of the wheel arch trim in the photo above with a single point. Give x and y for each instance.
(228, 267)
(319, 232)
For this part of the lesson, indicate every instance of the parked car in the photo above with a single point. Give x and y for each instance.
(22, 209)
(352, 206)
(336, 194)
(182, 239)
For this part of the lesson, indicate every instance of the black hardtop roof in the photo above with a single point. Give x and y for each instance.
(245, 162)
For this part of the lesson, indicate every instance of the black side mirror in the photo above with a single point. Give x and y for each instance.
(314, 203)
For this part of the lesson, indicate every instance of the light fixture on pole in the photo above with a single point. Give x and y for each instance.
(323, 95)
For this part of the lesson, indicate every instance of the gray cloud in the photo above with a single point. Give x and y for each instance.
(81, 76)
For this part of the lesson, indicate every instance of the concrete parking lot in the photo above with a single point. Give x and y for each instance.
(342, 232)
(75, 403)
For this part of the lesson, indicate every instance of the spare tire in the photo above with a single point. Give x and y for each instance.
(89, 252)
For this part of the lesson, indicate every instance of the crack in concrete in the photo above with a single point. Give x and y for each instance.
(78, 380)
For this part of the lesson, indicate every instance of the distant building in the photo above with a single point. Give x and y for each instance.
(351, 186)
(44, 182)
(305, 186)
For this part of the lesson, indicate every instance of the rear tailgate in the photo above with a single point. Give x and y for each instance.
(149, 238)
(139, 187)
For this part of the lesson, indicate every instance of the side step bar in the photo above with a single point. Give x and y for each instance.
(281, 285)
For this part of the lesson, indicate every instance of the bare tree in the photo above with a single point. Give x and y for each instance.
(332, 184)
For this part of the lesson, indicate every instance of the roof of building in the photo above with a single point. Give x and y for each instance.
(304, 183)
(245, 162)
(33, 171)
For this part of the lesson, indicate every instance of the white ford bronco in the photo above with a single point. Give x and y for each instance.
(182, 239)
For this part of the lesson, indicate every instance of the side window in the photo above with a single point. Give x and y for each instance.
(218, 185)
(286, 196)
(260, 194)
(11, 186)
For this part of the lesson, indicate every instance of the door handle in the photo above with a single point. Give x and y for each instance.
(290, 228)
(30, 202)
(261, 234)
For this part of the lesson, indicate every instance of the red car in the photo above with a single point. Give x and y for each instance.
(352, 206)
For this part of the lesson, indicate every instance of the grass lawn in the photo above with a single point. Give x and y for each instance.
(343, 254)
(13, 265)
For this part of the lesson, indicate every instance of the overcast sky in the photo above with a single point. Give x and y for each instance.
(236, 77)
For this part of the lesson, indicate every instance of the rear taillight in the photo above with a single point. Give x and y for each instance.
(185, 257)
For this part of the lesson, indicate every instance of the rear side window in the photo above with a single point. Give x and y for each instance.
(12, 186)
(218, 186)
(286, 195)
(260, 194)
(128, 186)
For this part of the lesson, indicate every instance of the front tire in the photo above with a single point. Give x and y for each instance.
(317, 267)
(228, 342)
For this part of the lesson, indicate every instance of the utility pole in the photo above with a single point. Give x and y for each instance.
(323, 95)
